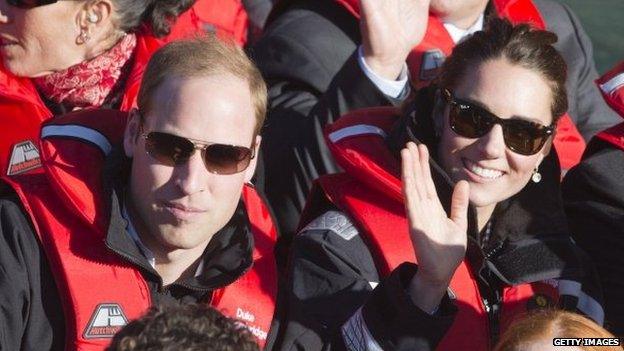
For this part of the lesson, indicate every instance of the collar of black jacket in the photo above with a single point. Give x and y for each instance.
(226, 258)
(530, 236)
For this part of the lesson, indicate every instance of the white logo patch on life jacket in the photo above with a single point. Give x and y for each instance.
(24, 157)
(106, 321)
(432, 61)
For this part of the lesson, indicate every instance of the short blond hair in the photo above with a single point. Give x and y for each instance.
(201, 57)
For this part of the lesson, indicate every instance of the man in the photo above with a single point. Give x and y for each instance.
(348, 64)
(113, 223)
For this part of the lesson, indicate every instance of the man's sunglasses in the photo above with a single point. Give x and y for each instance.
(173, 150)
(472, 121)
(28, 4)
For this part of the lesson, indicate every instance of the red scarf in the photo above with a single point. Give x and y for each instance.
(89, 83)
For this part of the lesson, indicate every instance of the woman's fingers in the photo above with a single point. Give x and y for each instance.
(459, 205)
(426, 170)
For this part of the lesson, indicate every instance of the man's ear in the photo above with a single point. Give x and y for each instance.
(132, 132)
(251, 170)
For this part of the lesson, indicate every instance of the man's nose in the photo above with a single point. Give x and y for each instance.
(191, 176)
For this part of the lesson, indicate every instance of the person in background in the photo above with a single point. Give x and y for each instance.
(123, 216)
(593, 193)
(59, 56)
(537, 331)
(190, 327)
(323, 58)
(447, 221)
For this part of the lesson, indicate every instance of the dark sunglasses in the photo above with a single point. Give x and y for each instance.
(173, 150)
(472, 121)
(29, 4)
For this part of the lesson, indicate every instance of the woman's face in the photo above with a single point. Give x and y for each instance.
(494, 172)
(40, 40)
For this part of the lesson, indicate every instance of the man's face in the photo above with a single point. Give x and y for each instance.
(183, 206)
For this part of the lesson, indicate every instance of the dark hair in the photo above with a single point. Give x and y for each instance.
(158, 14)
(522, 45)
(190, 327)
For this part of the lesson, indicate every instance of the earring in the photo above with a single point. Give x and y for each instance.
(93, 18)
(83, 37)
(536, 177)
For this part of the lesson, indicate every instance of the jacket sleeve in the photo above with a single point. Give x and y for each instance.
(593, 195)
(335, 300)
(311, 67)
(30, 314)
(586, 106)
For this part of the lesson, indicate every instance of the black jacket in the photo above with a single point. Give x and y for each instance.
(307, 56)
(331, 266)
(593, 193)
(31, 315)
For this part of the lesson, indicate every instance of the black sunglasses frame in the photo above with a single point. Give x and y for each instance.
(539, 132)
(198, 145)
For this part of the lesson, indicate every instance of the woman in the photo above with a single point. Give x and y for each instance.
(538, 331)
(58, 56)
(503, 250)
(593, 193)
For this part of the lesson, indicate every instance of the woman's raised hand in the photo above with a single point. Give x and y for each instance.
(390, 29)
(439, 240)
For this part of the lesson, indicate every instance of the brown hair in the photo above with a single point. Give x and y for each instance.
(545, 325)
(521, 45)
(201, 57)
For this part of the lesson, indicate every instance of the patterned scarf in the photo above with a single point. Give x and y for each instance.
(89, 83)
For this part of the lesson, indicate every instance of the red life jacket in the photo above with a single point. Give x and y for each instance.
(22, 111)
(100, 290)
(612, 87)
(369, 192)
(226, 18)
(426, 59)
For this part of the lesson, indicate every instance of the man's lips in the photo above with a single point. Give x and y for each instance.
(7, 41)
(181, 211)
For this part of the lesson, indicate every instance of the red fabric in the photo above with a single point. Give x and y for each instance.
(89, 83)
(437, 43)
(226, 18)
(66, 206)
(369, 192)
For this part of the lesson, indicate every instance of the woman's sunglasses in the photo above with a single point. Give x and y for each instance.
(28, 4)
(173, 150)
(472, 121)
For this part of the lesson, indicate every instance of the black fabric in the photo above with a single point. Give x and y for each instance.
(593, 193)
(308, 57)
(331, 279)
(32, 318)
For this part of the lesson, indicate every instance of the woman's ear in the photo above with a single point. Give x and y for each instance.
(132, 132)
